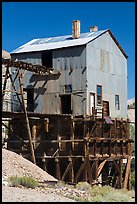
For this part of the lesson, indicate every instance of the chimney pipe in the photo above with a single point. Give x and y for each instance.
(93, 28)
(75, 29)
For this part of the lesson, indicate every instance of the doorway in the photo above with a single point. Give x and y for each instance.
(29, 99)
(92, 103)
(105, 108)
(66, 104)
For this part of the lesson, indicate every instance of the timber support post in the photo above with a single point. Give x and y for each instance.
(26, 119)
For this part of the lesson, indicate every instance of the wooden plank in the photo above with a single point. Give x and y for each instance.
(27, 120)
(120, 176)
(34, 135)
(72, 134)
(127, 173)
(65, 172)
(80, 170)
(58, 176)
(15, 90)
(116, 166)
(5, 81)
(89, 171)
(101, 167)
(71, 172)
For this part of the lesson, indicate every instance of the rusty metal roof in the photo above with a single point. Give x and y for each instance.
(51, 43)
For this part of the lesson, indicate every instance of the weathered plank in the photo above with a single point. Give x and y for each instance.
(127, 173)
(101, 167)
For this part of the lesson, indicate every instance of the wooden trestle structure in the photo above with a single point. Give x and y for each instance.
(70, 148)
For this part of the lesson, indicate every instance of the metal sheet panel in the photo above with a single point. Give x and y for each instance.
(107, 66)
(57, 42)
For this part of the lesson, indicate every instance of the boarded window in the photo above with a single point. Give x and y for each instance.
(99, 95)
(117, 102)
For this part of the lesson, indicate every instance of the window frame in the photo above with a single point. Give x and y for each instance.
(117, 102)
(99, 95)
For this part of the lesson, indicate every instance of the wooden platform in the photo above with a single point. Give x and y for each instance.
(75, 149)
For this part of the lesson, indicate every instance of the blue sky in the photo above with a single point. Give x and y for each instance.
(24, 21)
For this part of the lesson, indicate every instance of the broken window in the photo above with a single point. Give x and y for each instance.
(99, 95)
(117, 102)
(47, 59)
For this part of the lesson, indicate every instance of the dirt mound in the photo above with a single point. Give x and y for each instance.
(15, 165)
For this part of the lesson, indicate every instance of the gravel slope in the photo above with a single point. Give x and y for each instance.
(14, 164)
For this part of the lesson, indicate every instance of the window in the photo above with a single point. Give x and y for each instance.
(47, 59)
(68, 88)
(99, 95)
(117, 102)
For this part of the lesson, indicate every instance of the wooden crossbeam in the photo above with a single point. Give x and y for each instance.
(37, 69)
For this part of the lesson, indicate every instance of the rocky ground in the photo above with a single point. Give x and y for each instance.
(13, 194)
(49, 189)
(15, 165)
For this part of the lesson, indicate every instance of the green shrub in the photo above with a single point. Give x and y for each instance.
(14, 181)
(28, 182)
(83, 186)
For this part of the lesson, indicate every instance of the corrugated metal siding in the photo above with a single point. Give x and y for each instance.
(107, 66)
(47, 88)
(30, 79)
(65, 60)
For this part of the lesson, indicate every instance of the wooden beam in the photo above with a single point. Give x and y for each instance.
(127, 173)
(58, 176)
(5, 82)
(101, 167)
(80, 170)
(120, 176)
(34, 134)
(27, 120)
(72, 134)
(71, 172)
(89, 170)
(66, 171)
(116, 166)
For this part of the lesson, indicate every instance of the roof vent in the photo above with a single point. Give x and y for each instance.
(93, 28)
(76, 29)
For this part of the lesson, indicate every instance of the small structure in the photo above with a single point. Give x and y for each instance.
(70, 104)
